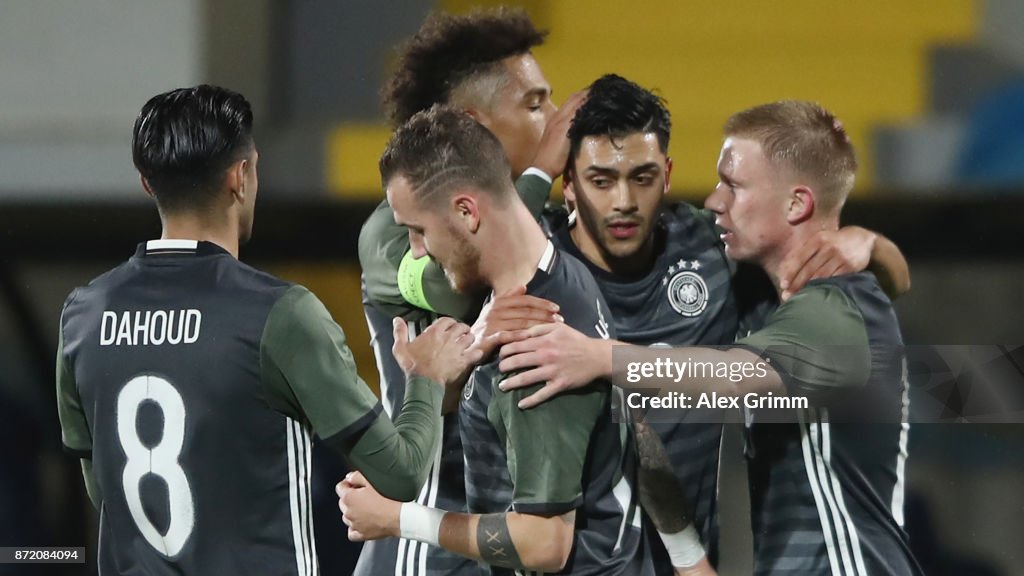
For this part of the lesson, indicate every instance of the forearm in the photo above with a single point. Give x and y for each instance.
(663, 499)
(510, 540)
(890, 267)
(660, 493)
(396, 458)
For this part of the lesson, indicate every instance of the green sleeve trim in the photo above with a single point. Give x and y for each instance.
(410, 280)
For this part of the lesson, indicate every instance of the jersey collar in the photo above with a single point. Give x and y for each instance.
(174, 247)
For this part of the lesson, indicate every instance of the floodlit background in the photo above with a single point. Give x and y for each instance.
(931, 91)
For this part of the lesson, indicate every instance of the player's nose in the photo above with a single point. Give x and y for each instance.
(716, 200)
(623, 198)
(416, 246)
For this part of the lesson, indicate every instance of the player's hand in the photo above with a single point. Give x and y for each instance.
(828, 253)
(368, 515)
(508, 312)
(702, 568)
(553, 150)
(440, 353)
(556, 354)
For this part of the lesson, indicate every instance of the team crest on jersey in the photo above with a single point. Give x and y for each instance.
(467, 388)
(687, 291)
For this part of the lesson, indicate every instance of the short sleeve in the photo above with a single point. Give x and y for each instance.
(309, 371)
(547, 445)
(816, 341)
(75, 433)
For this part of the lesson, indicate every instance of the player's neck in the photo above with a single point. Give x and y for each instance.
(773, 260)
(517, 247)
(192, 226)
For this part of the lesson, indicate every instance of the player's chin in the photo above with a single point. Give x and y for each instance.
(454, 281)
(460, 285)
(624, 249)
(737, 252)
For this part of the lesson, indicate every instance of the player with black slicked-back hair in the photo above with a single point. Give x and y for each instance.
(190, 384)
(181, 160)
(620, 108)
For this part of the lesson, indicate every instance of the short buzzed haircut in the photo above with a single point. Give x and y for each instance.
(443, 149)
(185, 139)
(616, 107)
(808, 139)
(452, 51)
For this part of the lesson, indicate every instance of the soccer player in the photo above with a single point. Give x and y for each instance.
(481, 63)
(545, 487)
(662, 267)
(189, 383)
(826, 491)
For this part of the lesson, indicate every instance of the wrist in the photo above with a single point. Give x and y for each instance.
(420, 523)
(684, 547)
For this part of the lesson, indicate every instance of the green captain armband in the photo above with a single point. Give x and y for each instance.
(410, 280)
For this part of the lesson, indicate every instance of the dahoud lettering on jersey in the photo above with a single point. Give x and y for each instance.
(687, 292)
(150, 327)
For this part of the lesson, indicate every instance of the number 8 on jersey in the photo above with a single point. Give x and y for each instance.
(161, 460)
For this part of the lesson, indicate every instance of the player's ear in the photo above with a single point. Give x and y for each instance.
(568, 188)
(146, 186)
(480, 116)
(801, 204)
(236, 179)
(467, 211)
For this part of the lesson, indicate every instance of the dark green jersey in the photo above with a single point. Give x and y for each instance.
(193, 383)
(395, 284)
(566, 454)
(827, 492)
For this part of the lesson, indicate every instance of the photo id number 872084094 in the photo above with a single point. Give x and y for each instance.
(42, 555)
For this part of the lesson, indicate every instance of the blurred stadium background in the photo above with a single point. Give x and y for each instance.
(932, 92)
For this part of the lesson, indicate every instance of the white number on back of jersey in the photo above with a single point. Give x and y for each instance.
(160, 460)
